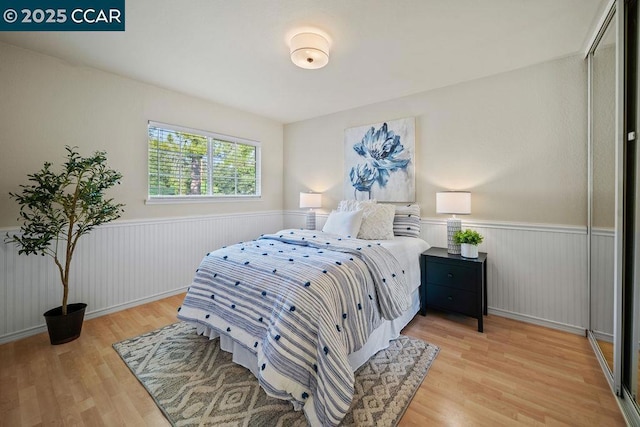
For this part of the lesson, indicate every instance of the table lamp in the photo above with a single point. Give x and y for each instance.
(455, 203)
(311, 200)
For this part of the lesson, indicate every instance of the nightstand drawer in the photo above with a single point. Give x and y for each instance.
(453, 275)
(452, 299)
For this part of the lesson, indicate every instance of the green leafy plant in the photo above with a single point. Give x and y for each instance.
(56, 209)
(468, 236)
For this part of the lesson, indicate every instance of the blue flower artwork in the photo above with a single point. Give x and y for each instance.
(379, 161)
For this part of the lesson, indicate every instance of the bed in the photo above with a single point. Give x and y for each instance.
(304, 309)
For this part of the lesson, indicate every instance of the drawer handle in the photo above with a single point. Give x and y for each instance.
(450, 298)
(449, 275)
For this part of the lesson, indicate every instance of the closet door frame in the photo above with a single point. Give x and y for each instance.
(627, 239)
(608, 17)
(619, 242)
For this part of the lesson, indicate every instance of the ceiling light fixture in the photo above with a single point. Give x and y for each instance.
(309, 50)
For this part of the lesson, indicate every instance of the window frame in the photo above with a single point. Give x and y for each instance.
(206, 198)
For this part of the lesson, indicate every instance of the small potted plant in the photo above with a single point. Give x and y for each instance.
(56, 209)
(468, 241)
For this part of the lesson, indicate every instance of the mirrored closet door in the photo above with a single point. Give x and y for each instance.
(628, 338)
(602, 172)
(614, 202)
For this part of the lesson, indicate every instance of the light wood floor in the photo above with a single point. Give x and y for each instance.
(514, 373)
(607, 351)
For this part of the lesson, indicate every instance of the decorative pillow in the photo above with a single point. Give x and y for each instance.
(343, 223)
(377, 222)
(354, 205)
(406, 221)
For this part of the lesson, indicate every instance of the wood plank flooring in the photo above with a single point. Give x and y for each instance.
(513, 374)
(607, 351)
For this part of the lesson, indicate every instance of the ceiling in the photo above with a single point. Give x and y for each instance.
(236, 52)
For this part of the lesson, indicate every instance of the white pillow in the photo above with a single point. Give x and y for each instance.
(354, 205)
(343, 223)
(377, 222)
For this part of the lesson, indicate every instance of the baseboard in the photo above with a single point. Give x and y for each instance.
(602, 361)
(93, 314)
(119, 307)
(538, 321)
(134, 303)
(536, 273)
(553, 253)
(119, 265)
(601, 336)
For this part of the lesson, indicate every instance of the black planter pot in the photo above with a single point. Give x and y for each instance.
(65, 328)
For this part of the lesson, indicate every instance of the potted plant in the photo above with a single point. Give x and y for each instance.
(468, 241)
(56, 209)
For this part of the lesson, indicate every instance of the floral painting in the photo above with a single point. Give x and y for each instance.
(379, 161)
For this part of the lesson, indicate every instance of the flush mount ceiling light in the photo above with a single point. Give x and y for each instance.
(309, 50)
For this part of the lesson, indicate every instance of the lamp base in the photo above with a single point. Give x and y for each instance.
(311, 221)
(453, 226)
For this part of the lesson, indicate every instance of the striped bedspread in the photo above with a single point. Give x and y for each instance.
(302, 301)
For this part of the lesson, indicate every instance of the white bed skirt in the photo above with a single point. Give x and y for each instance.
(379, 339)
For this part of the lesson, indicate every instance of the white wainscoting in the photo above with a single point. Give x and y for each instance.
(121, 264)
(536, 273)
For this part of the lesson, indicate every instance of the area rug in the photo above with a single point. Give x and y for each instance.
(195, 383)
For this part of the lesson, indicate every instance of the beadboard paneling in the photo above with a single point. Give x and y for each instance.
(118, 265)
(536, 272)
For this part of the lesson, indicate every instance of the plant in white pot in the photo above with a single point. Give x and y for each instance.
(468, 241)
(56, 209)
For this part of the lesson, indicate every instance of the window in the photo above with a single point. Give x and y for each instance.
(188, 163)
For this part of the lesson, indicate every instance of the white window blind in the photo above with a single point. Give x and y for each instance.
(192, 163)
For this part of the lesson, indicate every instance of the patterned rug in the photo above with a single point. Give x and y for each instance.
(195, 383)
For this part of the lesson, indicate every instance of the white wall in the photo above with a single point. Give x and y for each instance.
(153, 250)
(516, 140)
(46, 103)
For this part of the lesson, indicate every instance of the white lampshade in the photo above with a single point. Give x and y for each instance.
(453, 202)
(309, 50)
(310, 200)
